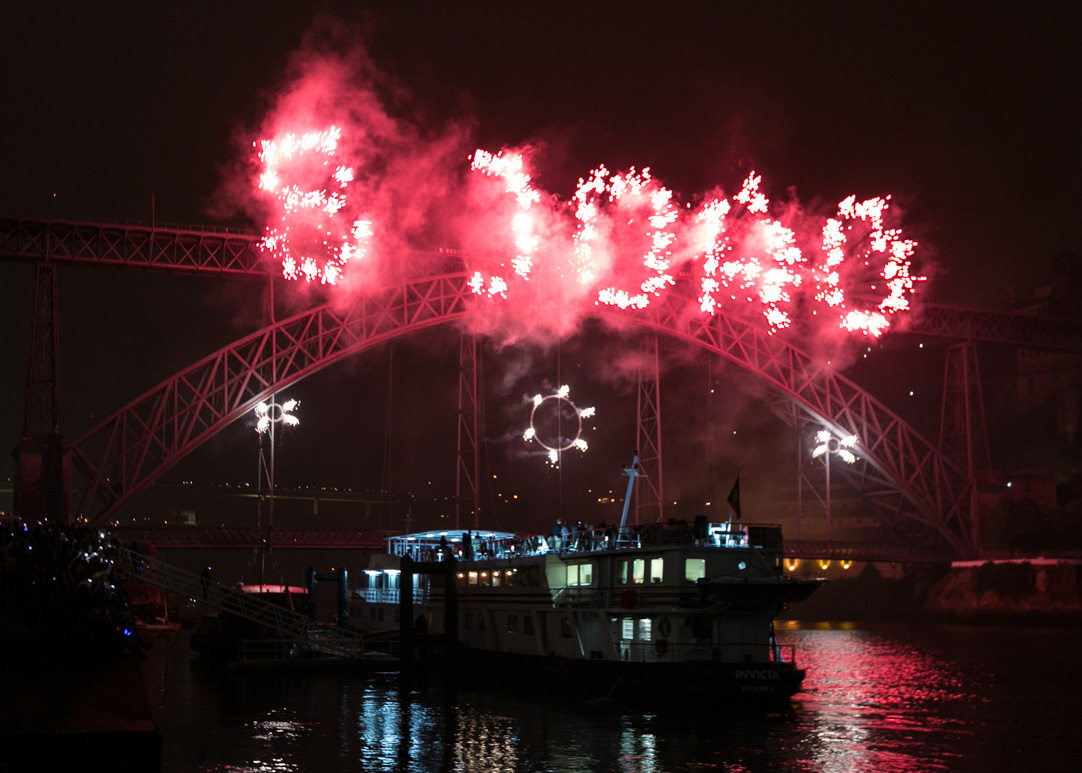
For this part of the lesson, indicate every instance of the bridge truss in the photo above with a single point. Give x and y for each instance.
(903, 476)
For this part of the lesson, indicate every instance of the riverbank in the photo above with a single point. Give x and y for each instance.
(1018, 592)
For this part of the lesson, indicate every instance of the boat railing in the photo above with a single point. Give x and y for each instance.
(390, 595)
(662, 651)
(504, 546)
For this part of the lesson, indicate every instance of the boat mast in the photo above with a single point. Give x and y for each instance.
(631, 472)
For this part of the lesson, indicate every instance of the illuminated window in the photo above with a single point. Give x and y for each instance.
(473, 578)
(694, 569)
(622, 573)
(628, 629)
(638, 571)
(527, 625)
(486, 579)
(645, 628)
(512, 623)
(496, 578)
(657, 569)
(580, 574)
(586, 574)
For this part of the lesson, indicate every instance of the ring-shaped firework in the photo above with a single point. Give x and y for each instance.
(554, 451)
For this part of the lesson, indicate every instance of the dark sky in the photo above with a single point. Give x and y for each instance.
(967, 113)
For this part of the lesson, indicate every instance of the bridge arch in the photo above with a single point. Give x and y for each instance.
(900, 473)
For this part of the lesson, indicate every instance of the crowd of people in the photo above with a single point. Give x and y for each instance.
(60, 597)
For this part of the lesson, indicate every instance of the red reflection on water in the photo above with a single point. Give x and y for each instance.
(868, 696)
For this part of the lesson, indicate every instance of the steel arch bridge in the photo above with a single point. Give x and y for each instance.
(901, 474)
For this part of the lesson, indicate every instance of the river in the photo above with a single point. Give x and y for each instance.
(878, 697)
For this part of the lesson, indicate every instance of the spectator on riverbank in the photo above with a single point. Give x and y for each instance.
(60, 598)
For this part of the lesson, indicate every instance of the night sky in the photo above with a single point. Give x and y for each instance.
(966, 113)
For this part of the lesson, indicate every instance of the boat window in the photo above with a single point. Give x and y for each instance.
(657, 569)
(580, 574)
(565, 628)
(694, 569)
(480, 622)
(638, 571)
(535, 576)
(645, 628)
(622, 573)
(461, 579)
(497, 578)
(473, 578)
(527, 625)
(486, 579)
(628, 629)
(512, 623)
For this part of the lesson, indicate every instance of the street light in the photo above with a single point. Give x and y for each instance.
(829, 445)
(268, 416)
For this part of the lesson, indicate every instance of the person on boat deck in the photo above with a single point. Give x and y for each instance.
(557, 535)
(467, 547)
(477, 545)
(565, 537)
(443, 548)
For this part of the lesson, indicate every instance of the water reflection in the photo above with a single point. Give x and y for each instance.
(874, 702)
(895, 699)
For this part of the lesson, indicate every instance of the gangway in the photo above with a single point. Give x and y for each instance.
(285, 623)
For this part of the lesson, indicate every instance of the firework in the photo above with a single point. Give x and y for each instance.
(313, 238)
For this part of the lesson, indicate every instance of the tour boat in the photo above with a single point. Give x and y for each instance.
(673, 607)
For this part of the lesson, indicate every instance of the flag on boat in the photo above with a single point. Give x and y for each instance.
(734, 497)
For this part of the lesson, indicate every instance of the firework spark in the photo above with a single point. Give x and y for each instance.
(621, 240)
(312, 239)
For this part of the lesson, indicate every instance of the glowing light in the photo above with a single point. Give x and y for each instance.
(313, 238)
(511, 168)
(834, 444)
(871, 245)
(618, 241)
(756, 256)
(555, 447)
(266, 414)
(624, 219)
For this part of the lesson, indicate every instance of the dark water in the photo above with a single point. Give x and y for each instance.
(877, 698)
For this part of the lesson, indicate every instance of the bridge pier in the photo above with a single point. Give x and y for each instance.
(43, 479)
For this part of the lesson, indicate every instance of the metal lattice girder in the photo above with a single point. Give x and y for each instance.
(649, 486)
(245, 538)
(900, 471)
(41, 412)
(997, 327)
(129, 450)
(468, 454)
(187, 251)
